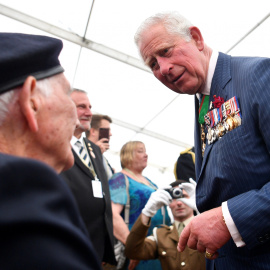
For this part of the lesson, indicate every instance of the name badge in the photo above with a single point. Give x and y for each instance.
(97, 189)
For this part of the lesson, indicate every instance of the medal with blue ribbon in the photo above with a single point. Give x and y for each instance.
(222, 119)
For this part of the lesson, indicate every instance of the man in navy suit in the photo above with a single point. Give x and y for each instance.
(40, 224)
(232, 140)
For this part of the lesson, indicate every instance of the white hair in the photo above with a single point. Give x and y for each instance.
(11, 97)
(173, 22)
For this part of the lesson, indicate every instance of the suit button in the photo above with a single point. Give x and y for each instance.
(183, 263)
(163, 253)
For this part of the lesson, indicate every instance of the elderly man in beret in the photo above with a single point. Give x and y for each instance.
(40, 225)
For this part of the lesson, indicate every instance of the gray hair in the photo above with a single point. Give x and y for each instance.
(11, 97)
(173, 22)
(78, 91)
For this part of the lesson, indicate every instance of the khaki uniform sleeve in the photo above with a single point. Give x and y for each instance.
(138, 247)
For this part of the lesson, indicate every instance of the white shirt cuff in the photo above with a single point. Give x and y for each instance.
(231, 226)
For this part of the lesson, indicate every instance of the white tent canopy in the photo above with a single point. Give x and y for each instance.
(100, 57)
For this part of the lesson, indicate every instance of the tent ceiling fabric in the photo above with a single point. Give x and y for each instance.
(100, 57)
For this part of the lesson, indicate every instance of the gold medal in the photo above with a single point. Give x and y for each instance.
(221, 129)
(92, 154)
(203, 138)
(209, 136)
(91, 150)
(237, 119)
(230, 122)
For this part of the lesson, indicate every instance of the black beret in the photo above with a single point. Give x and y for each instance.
(22, 55)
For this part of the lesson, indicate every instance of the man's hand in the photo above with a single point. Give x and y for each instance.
(103, 145)
(190, 188)
(205, 232)
(157, 199)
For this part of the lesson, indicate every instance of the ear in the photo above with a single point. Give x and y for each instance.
(197, 37)
(28, 102)
(92, 131)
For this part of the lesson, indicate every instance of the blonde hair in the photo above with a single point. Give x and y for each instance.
(127, 153)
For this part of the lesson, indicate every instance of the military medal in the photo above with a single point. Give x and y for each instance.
(91, 150)
(223, 118)
(230, 123)
(203, 139)
(92, 154)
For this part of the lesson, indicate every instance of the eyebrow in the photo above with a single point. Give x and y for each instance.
(157, 52)
(148, 61)
(150, 58)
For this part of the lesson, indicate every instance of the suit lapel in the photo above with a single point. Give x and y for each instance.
(92, 154)
(220, 79)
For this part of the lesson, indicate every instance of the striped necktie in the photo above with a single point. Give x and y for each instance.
(203, 109)
(83, 154)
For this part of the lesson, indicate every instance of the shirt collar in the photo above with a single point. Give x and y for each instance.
(75, 139)
(185, 222)
(210, 74)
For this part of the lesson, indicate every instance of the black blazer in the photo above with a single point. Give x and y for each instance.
(40, 224)
(96, 212)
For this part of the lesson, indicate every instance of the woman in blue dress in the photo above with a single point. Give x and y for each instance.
(133, 161)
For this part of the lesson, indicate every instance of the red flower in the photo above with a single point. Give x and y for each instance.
(218, 101)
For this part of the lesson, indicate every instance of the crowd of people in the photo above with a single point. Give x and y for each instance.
(63, 206)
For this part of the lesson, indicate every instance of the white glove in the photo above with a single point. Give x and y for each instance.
(190, 188)
(157, 199)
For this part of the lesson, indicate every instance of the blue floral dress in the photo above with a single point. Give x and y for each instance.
(139, 195)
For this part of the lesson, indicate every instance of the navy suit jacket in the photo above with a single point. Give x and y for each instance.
(236, 168)
(96, 212)
(40, 224)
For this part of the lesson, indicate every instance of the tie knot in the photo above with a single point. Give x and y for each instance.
(78, 143)
(82, 151)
